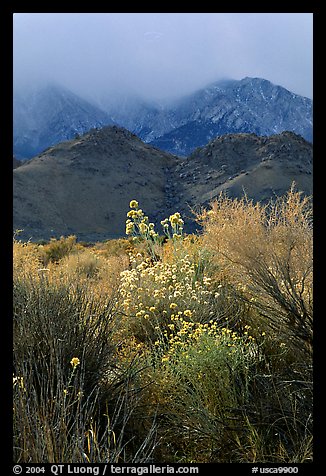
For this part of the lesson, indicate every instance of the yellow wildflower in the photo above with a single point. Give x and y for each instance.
(143, 228)
(129, 228)
(74, 362)
(176, 219)
(133, 204)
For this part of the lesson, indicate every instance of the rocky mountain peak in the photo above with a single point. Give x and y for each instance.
(251, 105)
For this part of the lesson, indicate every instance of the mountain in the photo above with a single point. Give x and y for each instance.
(147, 119)
(84, 186)
(251, 105)
(261, 167)
(15, 163)
(49, 115)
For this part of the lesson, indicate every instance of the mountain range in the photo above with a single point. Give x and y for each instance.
(46, 116)
(49, 115)
(251, 105)
(83, 186)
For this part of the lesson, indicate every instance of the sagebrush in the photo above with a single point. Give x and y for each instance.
(166, 347)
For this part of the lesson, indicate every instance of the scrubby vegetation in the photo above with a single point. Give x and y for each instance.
(168, 348)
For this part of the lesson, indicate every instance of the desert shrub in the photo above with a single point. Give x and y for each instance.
(67, 376)
(152, 293)
(219, 400)
(244, 272)
(189, 349)
(82, 264)
(26, 257)
(174, 278)
(202, 375)
(109, 272)
(267, 252)
(115, 247)
(279, 418)
(57, 249)
(101, 273)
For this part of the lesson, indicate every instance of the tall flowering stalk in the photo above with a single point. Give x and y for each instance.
(173, 226)
(138, 225)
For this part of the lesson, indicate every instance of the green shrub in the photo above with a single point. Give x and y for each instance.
(201, 376)
(67, 377)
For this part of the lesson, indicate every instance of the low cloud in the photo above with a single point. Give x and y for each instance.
(161, 55)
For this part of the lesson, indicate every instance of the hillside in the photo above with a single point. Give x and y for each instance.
(16, 163)
(84, 186)
(262, 167)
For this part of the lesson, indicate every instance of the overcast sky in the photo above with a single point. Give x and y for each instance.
(162, 55)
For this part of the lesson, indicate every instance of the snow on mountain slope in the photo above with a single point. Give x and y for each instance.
(252, 105)
(52, 114)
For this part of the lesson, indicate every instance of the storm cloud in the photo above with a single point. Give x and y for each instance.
(161, 55)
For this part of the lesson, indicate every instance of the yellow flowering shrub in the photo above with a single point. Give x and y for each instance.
(137, 224)
(154, 292)
(202, 371)
(186, 338)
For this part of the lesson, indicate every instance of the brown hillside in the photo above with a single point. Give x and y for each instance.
(84, 186)
(15, 163)
(261, 167)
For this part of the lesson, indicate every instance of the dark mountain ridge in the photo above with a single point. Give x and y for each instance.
(83, 186)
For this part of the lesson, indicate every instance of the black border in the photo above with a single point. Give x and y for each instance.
(6, 75)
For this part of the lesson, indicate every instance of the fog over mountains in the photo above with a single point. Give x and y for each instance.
(49, 115)
(87, 161)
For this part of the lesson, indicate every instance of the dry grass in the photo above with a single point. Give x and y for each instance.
(65, 412)
(197, 349)
(267, 253)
